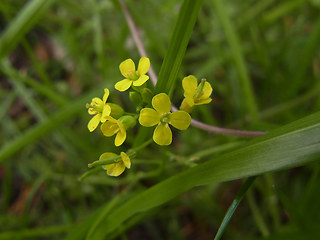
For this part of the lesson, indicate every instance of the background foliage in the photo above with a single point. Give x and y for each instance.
(263, 61)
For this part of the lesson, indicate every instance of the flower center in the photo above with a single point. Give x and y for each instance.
(133, 75)
(199, 91)
(165, 118)
(96, 107)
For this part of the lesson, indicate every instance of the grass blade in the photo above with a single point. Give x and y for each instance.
(289, 146)
(178, 44)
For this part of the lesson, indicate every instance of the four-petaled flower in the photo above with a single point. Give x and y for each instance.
(162, 117)
(100, 109)
(133, 77)
(196, 94)
(113, 126)
(115, 169)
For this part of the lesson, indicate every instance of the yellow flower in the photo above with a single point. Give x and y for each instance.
(111, 127)
(115, 169)
(162, 117)
(133, 77)
(196, 94)
(100, 109)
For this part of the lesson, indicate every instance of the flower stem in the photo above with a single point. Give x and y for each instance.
(104, 161)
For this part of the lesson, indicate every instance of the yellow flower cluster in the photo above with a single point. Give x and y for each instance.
(115, 123)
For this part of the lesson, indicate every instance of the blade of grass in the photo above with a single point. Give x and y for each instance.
(35, 233)
(289, 146)
(235, 203)
(247, 95)
(177, 46)
(25, 20)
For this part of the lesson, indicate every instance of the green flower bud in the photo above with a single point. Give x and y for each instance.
(135, 98)
(116, 110)
(128, 121)
(147, 95)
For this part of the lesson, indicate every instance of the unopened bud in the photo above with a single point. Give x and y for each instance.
(128, 121)
(147, 95)
(116, 110)
(135, 98)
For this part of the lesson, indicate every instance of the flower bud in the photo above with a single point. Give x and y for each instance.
(116, 110)
(135, 98)
(147, 95)
(128, 121)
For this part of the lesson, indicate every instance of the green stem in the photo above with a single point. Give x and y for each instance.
(104, 161)
(88, 173)
(143, 145)
(131, 153)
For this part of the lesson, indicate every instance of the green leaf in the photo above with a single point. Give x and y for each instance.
(289, 146)
(178, 44)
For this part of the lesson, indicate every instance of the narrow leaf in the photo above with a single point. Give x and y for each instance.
(289, 146)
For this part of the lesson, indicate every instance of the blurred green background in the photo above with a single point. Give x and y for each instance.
(57, 55)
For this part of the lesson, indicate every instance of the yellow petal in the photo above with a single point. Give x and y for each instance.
(190, 85)
(149, 117)
(107, 155)
(91, 111)
(161, 103)
(106, 95)
(120, 137)
(180, 120)
(96, 101)
(140, 81)
(109, 128)
(185, 106)
(115, 169)
(105, 112)
(125, 159)
(207, 90)
(203, 101)
(189, 99)
(127, 68)
(123, 85)
(162, 135)
(144, 65)
(111, 119)
(94, 122)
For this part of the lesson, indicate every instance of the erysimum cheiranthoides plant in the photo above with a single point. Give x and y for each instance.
(115, 121)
